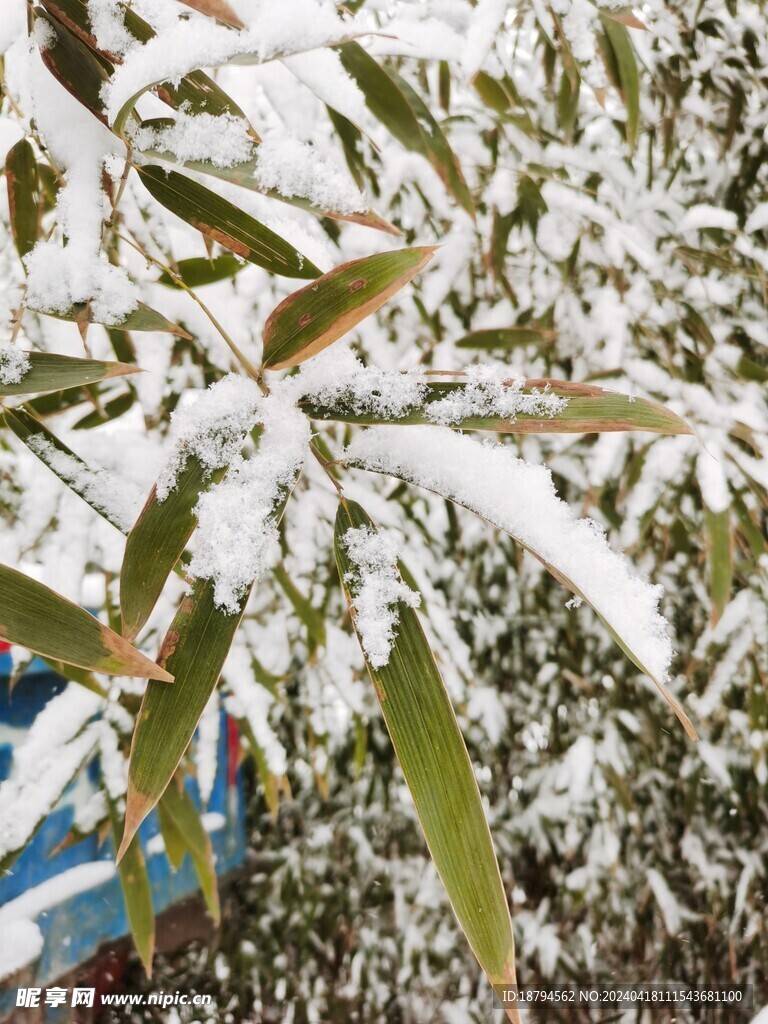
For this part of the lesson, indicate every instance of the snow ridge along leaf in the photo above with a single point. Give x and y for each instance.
(437, 769)
(314, 317)
(36, 617)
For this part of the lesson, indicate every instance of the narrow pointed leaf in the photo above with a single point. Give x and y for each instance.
(74, 472)
(36, 617)
(76, 67)
(137, 894)
(313, 318)
(198, 270)
(24, 205)
(437, 769)
(224, 223)
(156, 543)
(622, 65)
(51, 372)
(306, 611)
(143, 318)
(589, 409)
(175, 846)
(194, 651)
(506, 338)
(178, 805)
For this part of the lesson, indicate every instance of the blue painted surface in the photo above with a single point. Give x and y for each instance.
(74, 929)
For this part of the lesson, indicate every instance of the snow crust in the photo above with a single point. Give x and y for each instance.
(376, 589)
(221, 139)
(295, 168)
(14, 364)
(521, 498)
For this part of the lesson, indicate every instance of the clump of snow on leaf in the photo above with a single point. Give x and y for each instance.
(294, 168)
(14, 364)
(521, 499)
(237, 517)
(212, 429)
(376, 589)
(221, 139)
(338, 378)
(490, 391)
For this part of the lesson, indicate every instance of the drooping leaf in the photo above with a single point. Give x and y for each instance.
(506, 338)
(178, 805)
(622, 66)
(143, 318)
(437, 769)
(589, 409)
(106, 411)
(24, 205)
(307, 613)
(224, 223)
(198, 270)
(36, 617)
(269, 782)
(137, 894)
(194, 650)
(173, 840)
(51, 372)
(720, 550)
(76, 67)
(156, 543)
(313, 318)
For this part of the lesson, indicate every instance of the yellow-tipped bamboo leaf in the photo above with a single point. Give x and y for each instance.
(36, 617)
(49, 371)
(438, 771)
(314, 317)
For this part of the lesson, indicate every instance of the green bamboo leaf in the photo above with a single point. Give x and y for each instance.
(199, 270)
(178, 806)
(270, 783)
(404, 114)
(49, 371)
(622, 66)
(720, 551)
(307, 613)
(24, 200)
(314, 317)
(506, 338)
(437, 769)
(143, 318)
(36, 617)
(224, 223)
(173, 840)
(137, 894)
(76, 67)
(78, 473)
(156, 543)
(106, 412)
(589, 409)
(194, 651)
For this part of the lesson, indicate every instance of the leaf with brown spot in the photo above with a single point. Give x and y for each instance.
(313, 318)
(225, 223)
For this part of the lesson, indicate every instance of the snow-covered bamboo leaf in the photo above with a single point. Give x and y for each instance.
(435, 763)
(218, 9)
(48, 371)
(194, 650)
(622, 66)
(314, 317)
(587, 409)
(137, 894)
(36, 617)
(143, 318)
(224, 223)
(177, 805)
(99, 490)
(199, 270)
(156, 543)
(76, 67)
(24, 205)
(720, 551)
(520, 499)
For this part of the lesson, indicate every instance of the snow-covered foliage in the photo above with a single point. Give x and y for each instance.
(615, 233)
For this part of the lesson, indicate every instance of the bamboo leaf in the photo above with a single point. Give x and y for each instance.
(589, 409)
(51, 372)
(194, 650)
(506, 338)
(622, 65)
(218, 9)
(173, 840)
(314, 317)
(720, 550)
(199, 270)
(36, 617)
(143, 318)
(178, 806)
(307, 613)
(269, 782)
(437, 769)
(137, 894)
(224, 223)
(24, 202)
(156, 543)
(76, 67)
